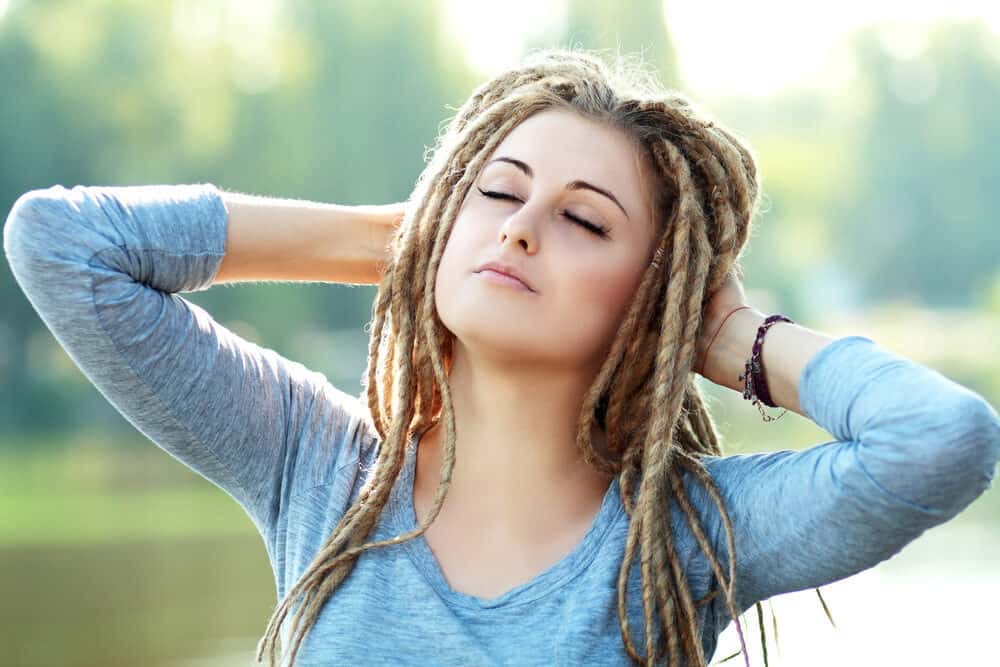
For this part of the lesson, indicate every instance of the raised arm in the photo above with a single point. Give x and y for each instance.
(102, 266)
(286, 239)
(912, 450)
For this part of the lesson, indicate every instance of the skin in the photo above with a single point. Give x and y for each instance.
(523, 361)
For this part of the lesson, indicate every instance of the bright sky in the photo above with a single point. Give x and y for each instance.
(726, 48)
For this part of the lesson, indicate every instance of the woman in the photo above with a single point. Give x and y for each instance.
(530, 475)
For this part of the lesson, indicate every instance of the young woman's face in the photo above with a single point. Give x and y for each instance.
(582, 272)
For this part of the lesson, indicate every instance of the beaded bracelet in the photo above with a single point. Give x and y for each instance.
(755, 384)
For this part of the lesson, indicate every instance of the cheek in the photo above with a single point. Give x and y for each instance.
(599, 299)
(451, 271)
(466, 243)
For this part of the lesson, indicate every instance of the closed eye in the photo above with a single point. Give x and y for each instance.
(599, 230)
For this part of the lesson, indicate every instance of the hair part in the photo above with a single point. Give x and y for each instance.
(703, 192)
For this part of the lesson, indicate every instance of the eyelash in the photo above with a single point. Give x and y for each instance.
(599, 230)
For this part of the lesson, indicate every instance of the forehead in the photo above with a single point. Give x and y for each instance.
(561, 146)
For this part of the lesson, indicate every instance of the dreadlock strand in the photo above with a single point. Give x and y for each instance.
(673, 586)
(664, 587)
(630, 344)
(680, 497)
(655, 449)
(632, 467)
(374, 342)
(627, 333)
(648, 603)
(727, 583)
(716, 171)
(623, 574)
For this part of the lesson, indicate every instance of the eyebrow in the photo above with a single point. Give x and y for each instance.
(572, 185)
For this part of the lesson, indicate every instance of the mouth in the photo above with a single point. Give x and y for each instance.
(500, 278)
(505, 274)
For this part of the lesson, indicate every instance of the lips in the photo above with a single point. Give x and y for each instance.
(507, 270)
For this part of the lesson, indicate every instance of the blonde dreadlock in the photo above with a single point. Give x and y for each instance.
(645, 396)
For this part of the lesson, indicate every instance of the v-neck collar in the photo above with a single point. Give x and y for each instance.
(404, 519)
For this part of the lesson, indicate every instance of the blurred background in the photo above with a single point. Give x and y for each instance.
(876, 125)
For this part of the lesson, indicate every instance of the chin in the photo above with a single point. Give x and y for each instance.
(496, 335)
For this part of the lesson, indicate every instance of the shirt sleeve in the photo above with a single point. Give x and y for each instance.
(912, 450)
(102, 266)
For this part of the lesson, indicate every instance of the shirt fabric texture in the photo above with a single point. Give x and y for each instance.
(104, 267)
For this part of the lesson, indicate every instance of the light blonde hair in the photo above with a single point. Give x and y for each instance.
(704, 197)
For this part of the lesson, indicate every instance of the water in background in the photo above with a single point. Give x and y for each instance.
(205, 603)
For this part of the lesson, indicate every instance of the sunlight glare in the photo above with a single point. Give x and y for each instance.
(762, 47)
(742, 49)
(494, 36)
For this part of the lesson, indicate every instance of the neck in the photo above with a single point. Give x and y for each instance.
(517, 468)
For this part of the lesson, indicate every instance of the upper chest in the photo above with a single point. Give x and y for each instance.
(478, 561)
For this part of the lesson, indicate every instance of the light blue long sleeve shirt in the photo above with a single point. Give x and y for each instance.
(104, 267)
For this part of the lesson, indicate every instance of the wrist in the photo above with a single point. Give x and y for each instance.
(732, 347)
(715, 321)
(370, 234)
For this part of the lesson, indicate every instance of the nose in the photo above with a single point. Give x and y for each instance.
(521, 229)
